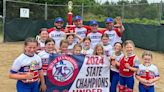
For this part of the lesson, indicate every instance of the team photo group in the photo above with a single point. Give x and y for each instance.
(30, 68)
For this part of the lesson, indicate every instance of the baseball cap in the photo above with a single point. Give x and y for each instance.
(59, 19)
(93, 22)
(109, 19)
(77, 17)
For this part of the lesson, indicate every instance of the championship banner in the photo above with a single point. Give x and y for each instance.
(78, 73)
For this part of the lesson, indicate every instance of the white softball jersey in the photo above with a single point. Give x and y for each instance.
(22, 64)
(153, 72)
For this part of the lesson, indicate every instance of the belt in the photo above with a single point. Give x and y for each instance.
(145, 85)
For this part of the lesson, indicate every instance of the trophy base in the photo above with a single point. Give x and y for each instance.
(112, 66)
(126, 70)
(70, 25)
(29, 81)
(147, 81)
(70, 33)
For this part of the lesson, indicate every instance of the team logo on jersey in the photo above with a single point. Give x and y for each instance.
(62, 70)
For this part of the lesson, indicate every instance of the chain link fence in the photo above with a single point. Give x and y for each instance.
(138, 12)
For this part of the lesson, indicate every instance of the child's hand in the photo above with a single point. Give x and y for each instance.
(66, 30)
(150, 81)
(29, 76)
(113, 63)
(43, 88)
(127, 65)
(70, 54)
(58, 51)
(143, 80)
(51, 52)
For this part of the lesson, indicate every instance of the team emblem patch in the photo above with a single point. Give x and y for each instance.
(94, 22)
(59, 19)
(107, 19)
(62, 70)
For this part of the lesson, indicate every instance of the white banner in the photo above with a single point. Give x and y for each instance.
(93, 75)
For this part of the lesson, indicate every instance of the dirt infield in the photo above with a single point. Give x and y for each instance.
(9, 51)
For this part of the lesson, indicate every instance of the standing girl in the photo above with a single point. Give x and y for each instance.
(147, 73)
(128, 65)
(70, 39)
(98, 50)
(27, 68)
(114, 72)
(106, 45)
(86, 49)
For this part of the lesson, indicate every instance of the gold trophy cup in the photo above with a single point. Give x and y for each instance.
(113, 57)
(85, 50)
(32, 67)
(64, 37)
(147, 72)
(126, 58)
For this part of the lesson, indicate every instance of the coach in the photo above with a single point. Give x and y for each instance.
(114, 33)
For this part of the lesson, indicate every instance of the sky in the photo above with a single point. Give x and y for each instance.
(149, 1)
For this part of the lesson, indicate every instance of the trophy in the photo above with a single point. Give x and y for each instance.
(126, 58)
(113, 58)
(147, 72)
(84, 52)
(32, 67)
(70, 18)
(101, 43)
(38, 38)
(64, 37)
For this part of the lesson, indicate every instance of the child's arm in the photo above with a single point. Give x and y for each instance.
(57, 50)
(42, 86)
(153, 80)
(14, 72)
(135, 66)
(80, 39)
(21, 77)
(131, 68)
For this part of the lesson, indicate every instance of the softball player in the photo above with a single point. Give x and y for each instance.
(128, 65)
(21, 69)
(153, 74)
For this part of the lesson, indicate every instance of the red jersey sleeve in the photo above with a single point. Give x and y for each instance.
(88, 33)
(50, 30)
(104, 31)
(118, 33)
(88, 28)
(100, 31)
(63, 30)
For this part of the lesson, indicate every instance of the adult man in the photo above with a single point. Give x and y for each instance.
(57, 32)
(80, 29)
(114, 33)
